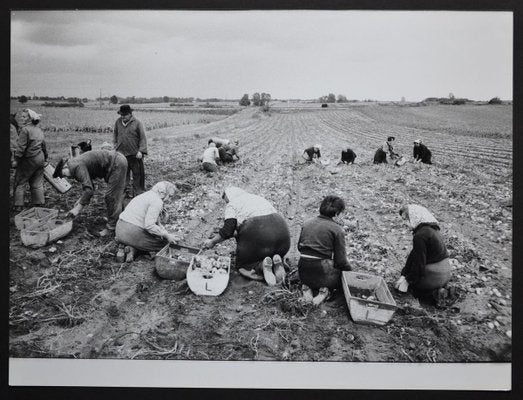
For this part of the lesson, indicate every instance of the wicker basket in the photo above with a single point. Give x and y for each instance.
(367, 311)
(172, 261)
(34, 215)
(45, 232)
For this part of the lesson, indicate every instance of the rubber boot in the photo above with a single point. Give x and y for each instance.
(306, 294)
(279, 270)
(322, 295)
(267, 272)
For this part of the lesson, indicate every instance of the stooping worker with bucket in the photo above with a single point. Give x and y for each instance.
(312, 154)
(262, 235)
(102, 164)
(427, 269)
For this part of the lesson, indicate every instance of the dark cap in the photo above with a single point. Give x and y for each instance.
(125, 109)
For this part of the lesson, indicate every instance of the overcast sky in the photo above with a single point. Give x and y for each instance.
(289, 54)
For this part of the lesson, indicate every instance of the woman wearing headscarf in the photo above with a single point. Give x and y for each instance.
(262, 235)
(322, 251)
(421, 152)
(427, 269)
(210, 158)
(30, 157)
(312, 153)
(140, 225)
(110, 166)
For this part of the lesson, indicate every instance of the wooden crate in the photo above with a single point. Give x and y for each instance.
(375, 311)
(172, 261)
(45, 232)
(60, 184)
(33, 215)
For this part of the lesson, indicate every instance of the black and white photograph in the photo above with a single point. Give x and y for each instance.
(313, 189)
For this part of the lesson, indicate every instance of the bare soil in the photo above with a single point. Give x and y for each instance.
(71, 299)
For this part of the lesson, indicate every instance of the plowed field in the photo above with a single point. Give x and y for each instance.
(71, 299)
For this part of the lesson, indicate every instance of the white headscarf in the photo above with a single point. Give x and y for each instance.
(164, 189)
(33, 115)
(243, 205)
(417, 215)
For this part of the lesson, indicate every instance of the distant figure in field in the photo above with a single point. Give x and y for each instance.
(261, 233)
(312, 154)
(387, 148)
(129, 139)
(348, 156)
(229, 152)
(210, 158)
(422, 153)
(219, 142)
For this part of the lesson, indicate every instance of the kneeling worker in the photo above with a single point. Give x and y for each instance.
(322, 248)
(427, 269)
(421, 153)
(210, 158)
(312, 154)
(140, 225)
(262, 235)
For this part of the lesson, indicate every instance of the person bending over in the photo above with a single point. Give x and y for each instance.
(262, 235)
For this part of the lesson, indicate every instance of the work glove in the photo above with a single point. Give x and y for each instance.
(73, 213)
(401, 284)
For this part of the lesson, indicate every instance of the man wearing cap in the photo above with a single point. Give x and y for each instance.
(110, 166)
(421, 152)
(129, 139)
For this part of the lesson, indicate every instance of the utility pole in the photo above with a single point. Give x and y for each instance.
(100, 99)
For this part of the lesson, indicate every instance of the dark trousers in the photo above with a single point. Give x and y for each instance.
(260, 237)
(319, 273)
(135, 166)
(380, 157)
(29, 170)
(224, 156)
(114, 194)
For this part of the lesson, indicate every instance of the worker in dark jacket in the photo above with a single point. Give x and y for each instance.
(313, 153)
(348, 156)
(129, 139)
(29, 159)
(427, 270)
(422, 153)
(322, 248)
(229, 152)
(97, 164)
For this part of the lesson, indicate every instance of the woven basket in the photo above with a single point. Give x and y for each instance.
(169, 266)
(45, 232)
(34, 215)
